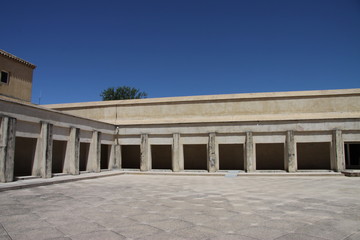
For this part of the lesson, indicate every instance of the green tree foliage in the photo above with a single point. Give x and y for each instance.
(122, 93)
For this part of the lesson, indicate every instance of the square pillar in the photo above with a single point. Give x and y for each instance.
(337, 151)
(118, 158)
(72, 159)
(290, 152)
(213, 162)
(177, 154)
(145, 154)
(249, 158)
(43, 153)
(7, 148)
(93, 164)
(115, 157)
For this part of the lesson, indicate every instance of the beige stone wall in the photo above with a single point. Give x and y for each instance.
(20, 83)
(326, 104)
(31, 134)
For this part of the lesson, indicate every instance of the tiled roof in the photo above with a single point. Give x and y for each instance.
(9, 55)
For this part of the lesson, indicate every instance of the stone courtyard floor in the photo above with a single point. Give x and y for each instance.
(185, 207)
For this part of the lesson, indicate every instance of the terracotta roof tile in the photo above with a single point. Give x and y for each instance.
(9, 55)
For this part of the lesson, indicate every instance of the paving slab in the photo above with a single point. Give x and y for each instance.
(149, 206)
(32, 181)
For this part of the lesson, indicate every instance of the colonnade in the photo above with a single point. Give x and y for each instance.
(43, 157)
(42, 165)
(337, 162)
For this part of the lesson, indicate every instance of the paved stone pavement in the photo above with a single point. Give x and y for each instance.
(185, 207)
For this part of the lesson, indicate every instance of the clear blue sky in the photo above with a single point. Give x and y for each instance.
(182, 47)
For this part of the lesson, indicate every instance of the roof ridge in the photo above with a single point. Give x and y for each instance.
(11, 56)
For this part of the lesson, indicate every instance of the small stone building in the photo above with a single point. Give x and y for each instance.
(15, 77)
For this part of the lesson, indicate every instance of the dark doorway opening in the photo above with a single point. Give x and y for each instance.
(130, 156)
(270, 156)
(24, 156)
(58, 156)
(352, 155)
(105, 156)
(314, 155)
(231, 156)
(84, 155)
(195, 157)
(161, 156)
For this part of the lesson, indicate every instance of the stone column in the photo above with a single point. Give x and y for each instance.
(116, 151)
(145, 153)
(7, 148)
(114, 157)
(249, 158)
(213, 163)
(177, 154)
(337, 152)
(118, 157)
(43, 154)
(93, 164)
(72, 159)
(290, 152)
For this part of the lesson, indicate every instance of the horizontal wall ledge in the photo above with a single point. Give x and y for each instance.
(241, 118)
(210, 98)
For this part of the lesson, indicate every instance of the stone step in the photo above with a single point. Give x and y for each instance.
(26, 177)
(351, 173)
